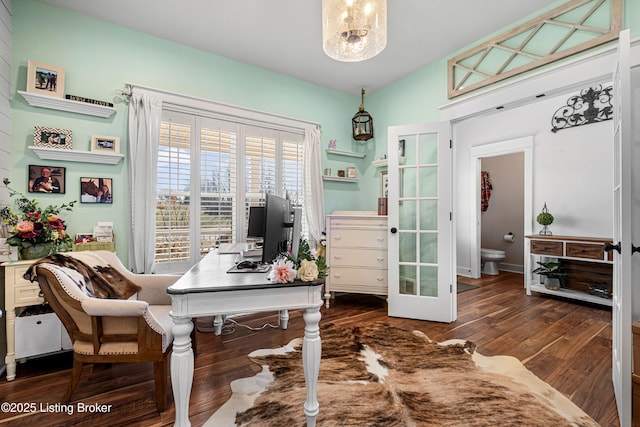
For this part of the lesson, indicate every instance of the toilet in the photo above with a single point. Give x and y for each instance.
(490, 259)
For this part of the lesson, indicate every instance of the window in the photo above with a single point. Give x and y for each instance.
(209, 172)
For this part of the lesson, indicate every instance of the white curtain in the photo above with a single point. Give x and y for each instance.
(144, 131)
(313, 189)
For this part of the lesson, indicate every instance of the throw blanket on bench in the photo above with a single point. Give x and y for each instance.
(98, 281)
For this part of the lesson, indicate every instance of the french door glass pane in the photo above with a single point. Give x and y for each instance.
(428, 214)
(407, 247)
(428, 281)
(408, 182)
(428, 181)
(408, 280)
(407, 218)
(428, 148)
(429, 248)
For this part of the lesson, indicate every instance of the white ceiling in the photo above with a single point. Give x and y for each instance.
(285, 35)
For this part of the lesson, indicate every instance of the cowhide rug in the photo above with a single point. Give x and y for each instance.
(380, 375)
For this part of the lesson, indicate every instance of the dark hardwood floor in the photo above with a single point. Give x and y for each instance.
(565, 343)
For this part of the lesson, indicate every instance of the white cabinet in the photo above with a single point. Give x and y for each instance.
(588, 265)
(33, 335)
(356, 253)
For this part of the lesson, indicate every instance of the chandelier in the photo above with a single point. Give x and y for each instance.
(354, 30)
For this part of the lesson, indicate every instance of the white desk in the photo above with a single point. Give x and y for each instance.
(208, 290)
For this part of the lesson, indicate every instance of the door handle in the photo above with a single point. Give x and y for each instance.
(608, 246)
(394, 230)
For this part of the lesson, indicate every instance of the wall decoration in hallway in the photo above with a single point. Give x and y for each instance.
(592, 105)
(52, 137)
(485, 191)
(44, 79)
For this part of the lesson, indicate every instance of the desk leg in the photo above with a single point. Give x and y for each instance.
(218, 322)
(311, 353)
(284, 319)
(182, 368)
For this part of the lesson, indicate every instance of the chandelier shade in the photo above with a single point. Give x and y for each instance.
(354, 30)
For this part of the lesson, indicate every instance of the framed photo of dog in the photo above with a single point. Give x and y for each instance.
(47, 179)
(52, 137)
(45, 79)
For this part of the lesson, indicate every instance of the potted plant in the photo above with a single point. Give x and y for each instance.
(551, 270)
(545, 219)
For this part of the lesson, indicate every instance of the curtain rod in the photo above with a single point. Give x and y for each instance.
(131, 86)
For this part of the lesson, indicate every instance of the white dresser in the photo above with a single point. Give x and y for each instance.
(356, 253)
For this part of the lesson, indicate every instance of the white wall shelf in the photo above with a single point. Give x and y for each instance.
(383, 163)
(346, 153)
(76, 155)
(71, 106)
(339, 179)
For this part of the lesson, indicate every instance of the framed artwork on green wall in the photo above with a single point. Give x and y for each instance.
(45, 79)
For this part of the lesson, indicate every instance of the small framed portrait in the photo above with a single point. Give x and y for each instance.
(52, 137)
(105, 144)
(46, 179)
(351, 172)
(401, 147)
(84, 237)
(96, 190)
(384, 184)
(45, 79)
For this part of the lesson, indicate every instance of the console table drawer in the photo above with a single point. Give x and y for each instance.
(585, 250)
(24, 295)
(542, 247)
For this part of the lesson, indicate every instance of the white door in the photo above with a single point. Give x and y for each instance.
(421, 249)
(622, 308)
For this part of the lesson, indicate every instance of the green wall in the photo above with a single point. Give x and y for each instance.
(99, 58)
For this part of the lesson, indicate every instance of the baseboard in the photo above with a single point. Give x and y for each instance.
(463, 271)
(514, 268)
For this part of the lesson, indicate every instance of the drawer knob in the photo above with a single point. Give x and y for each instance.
(337, 276)
(337, 238)
(379, 279)
(337, 257)
(380, 259)
(380, 239)
(39, 322)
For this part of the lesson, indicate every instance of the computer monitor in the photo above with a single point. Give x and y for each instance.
(255, 226)
(276, 229)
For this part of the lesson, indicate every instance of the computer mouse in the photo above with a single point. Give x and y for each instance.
(249, 265)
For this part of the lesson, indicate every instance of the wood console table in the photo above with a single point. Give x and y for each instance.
(588, 265)
(208, 290)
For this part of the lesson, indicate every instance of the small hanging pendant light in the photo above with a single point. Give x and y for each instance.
(362, 123)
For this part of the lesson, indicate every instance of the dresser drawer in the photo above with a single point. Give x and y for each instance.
(359, 280)
(371, 258)
(24, 295)
(585, 250)
(368, 223)
(349, 238)
(545, 247)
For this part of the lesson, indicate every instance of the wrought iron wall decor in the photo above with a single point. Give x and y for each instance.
(593, 105)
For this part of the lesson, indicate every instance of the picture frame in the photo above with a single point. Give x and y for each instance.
(351, 172)
(96, 190)
(45, 79)
(105, 144)
(84, 237)
(401, 148)
(384, 184)
(52, 138)
(46, 179)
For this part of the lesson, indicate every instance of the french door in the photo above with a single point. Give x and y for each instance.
(421, 249)
(622, 199)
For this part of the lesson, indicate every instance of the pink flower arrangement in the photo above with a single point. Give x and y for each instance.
(282, 271)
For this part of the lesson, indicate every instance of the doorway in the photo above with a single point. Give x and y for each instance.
(502, 148)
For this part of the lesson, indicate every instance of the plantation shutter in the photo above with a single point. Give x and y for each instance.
(292, 172)
(173, 202)
(218, 183)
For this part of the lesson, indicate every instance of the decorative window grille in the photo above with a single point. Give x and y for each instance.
(566, 30)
